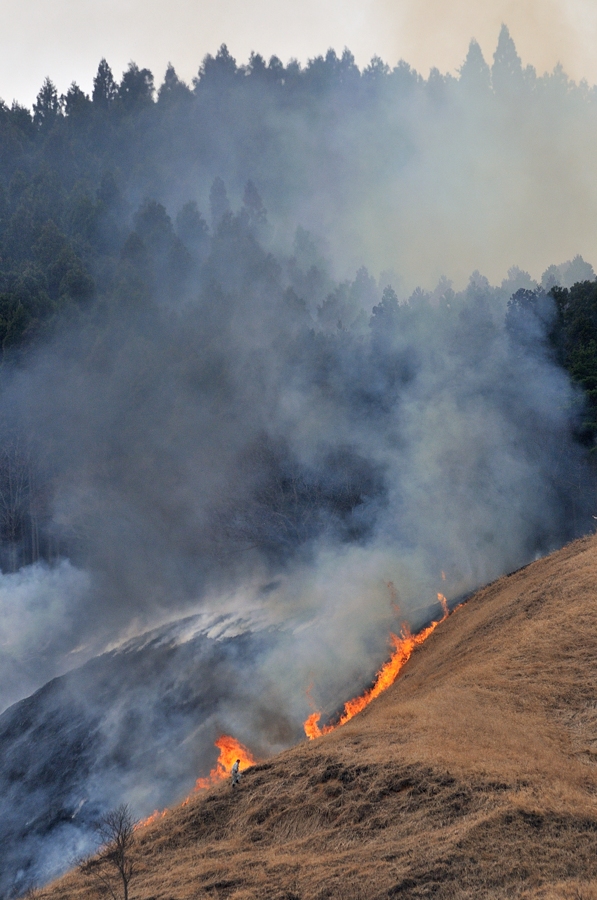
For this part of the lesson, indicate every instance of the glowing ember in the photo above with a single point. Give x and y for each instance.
(230, 750)
(404, 644)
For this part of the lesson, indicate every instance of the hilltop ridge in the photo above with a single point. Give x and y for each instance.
(473, 775)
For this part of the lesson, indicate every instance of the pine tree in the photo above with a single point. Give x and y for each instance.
(104, 86)
(136, 88)
(173, 89)
(474, 73)
(46, 108)
(506, 73)
(253, 207)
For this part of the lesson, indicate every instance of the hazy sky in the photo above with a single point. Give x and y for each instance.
(65, 39)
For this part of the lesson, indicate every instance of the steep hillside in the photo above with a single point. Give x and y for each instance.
(473, 776)
(134, 724)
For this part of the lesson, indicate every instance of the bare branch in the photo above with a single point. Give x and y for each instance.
(113, 868)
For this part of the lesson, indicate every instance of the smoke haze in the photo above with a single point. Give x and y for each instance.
(37, 606)
(435, 33)
(238, 441)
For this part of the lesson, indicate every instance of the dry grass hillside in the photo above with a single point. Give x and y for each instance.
(475, 775)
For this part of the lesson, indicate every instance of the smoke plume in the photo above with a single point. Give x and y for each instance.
(238, 438)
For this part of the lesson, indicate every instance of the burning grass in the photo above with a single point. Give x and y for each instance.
(473, 776)
(230, 750)
(404, 644)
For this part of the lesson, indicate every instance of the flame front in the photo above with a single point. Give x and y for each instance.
(156, 814)
(230, 750)
(404, 644)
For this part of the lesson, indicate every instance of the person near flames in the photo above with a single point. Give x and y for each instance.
(235, 773)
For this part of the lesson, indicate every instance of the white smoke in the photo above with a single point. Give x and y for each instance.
(39, 631)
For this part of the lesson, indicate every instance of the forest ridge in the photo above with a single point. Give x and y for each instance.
(75, 170)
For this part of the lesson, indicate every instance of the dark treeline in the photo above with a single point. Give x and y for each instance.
(75, 169)
(566, 319)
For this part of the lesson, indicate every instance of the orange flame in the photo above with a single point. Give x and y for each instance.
(156, 814)
(230, 750)
(404, 644)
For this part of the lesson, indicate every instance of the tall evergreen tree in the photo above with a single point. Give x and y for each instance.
(475, 75)
(104, 86)
(192, 228)
(173, 89)
(76, 103)
(506, 72)
(253, 207)
(217, 71)
(136, 88)
(46, 108)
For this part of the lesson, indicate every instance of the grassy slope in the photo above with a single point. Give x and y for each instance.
(473, 776)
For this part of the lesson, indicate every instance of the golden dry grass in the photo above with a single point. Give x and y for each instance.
(474, 776)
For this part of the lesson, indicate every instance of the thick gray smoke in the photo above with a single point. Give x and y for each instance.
(241, 440)
(427, 177)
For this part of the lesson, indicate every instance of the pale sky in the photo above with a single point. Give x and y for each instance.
(65, 39)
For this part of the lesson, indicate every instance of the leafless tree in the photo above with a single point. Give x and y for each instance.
(112, 869)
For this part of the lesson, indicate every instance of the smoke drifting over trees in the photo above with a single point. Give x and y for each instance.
(221, 389)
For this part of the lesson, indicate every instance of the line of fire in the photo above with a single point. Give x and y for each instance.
(231, 750)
